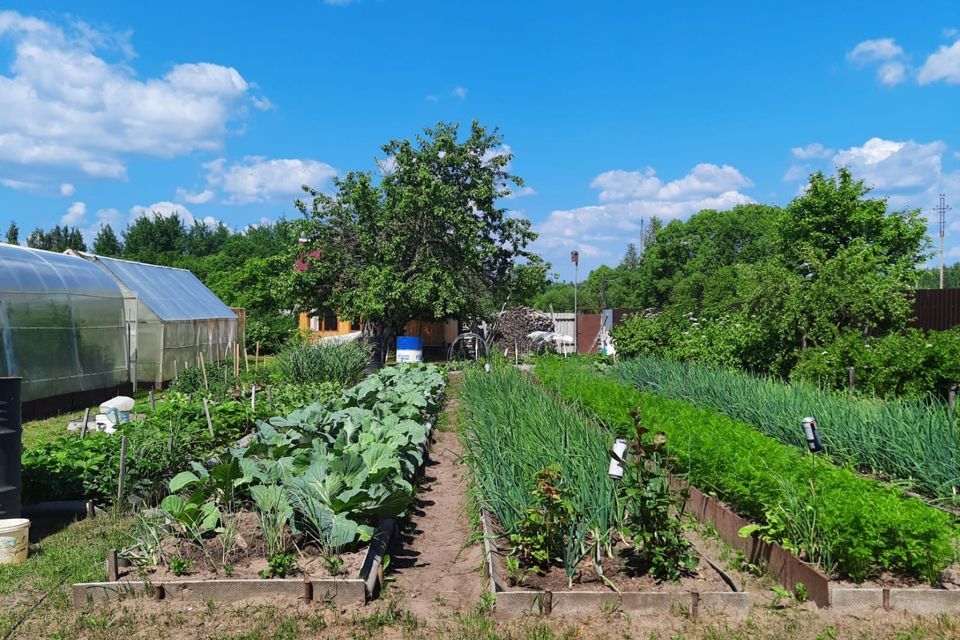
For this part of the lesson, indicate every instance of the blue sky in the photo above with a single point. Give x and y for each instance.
(615, 111)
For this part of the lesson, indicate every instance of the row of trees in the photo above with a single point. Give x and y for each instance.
(802, 291)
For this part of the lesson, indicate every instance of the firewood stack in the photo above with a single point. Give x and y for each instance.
(515, 325)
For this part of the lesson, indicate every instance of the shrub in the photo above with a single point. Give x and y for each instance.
(864, 527)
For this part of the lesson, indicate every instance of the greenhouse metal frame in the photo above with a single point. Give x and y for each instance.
(172, 318)
(62, 324)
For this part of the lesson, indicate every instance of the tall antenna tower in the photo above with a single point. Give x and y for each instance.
(942, 208)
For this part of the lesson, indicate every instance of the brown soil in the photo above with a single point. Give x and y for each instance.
(617, 569)
(431, 563)
(248, 559)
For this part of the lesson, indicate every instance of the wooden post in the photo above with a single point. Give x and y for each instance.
(83, 427)
(91, 510)
(113, 573)
(952, 396)
(123, 468)
(206, 412)
(851, 378)
(516, 353)
(246, 360)
(256, 358)
(253, 397)
(153, 401)
(176, 374)
(203, 368)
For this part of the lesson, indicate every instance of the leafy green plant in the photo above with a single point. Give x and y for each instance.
(279, 565)
(539, 536)
(872, 527)
(651, 511)
(517, 573)
(179, 566)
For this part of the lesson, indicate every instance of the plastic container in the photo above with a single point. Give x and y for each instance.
(14, 540)
(409, 349)
(117, 410)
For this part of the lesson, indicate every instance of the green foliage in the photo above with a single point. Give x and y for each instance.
(72, 468)
(512, 430)
(865, 526)
(760, 288)
(428, 241)
(59, 239)
(539, 538)
(279, 565)
(910, 364)
(328, 471)
(343, 363)
(106, 243)
(13, 233)
(650, 518)
(914, 442)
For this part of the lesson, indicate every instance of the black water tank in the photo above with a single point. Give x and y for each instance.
(10, 431)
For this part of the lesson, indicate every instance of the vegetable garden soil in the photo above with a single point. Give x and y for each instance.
(435, 561)
(704, 578)
(250, 558)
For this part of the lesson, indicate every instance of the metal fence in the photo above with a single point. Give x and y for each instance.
(936, 309)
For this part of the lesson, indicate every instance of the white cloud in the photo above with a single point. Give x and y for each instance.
(796, 172)
(259, 179)
(600, 232)
(890, 74)
(884, 52)
(876, 50)
(67, 189)
(893, 165)
(460, 92)
(75, 214)
(812, 150)
(944, 64)
(431, 98)
(622, 185)
(704, 179)
(65, 109)
(261, 103)
(521, 192)
(195, 198)
(340, 3)
(19, 185)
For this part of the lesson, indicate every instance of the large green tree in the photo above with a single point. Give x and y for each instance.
(13, 233)
(106, 243)
(427, 240)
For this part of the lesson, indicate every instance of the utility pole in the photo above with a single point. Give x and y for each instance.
(942, 208)
(575, 259)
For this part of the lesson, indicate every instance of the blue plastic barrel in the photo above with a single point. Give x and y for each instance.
(409, 349)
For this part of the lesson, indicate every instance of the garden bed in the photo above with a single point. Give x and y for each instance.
(310, 499)
(704, 591)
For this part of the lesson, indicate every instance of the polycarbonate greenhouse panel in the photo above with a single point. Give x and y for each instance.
(172, 294)
(61, 323)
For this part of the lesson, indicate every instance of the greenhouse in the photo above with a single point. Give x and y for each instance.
(173, 318)
(61, 324)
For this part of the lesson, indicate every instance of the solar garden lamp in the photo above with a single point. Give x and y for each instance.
(618, 458)
(812, 434)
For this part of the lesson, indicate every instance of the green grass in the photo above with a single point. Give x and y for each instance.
(858, 525)
(74, 554)
(38, 432)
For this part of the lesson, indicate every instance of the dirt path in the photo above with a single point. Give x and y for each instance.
(431, 566)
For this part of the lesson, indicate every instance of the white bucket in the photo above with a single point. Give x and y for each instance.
(14, 540)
